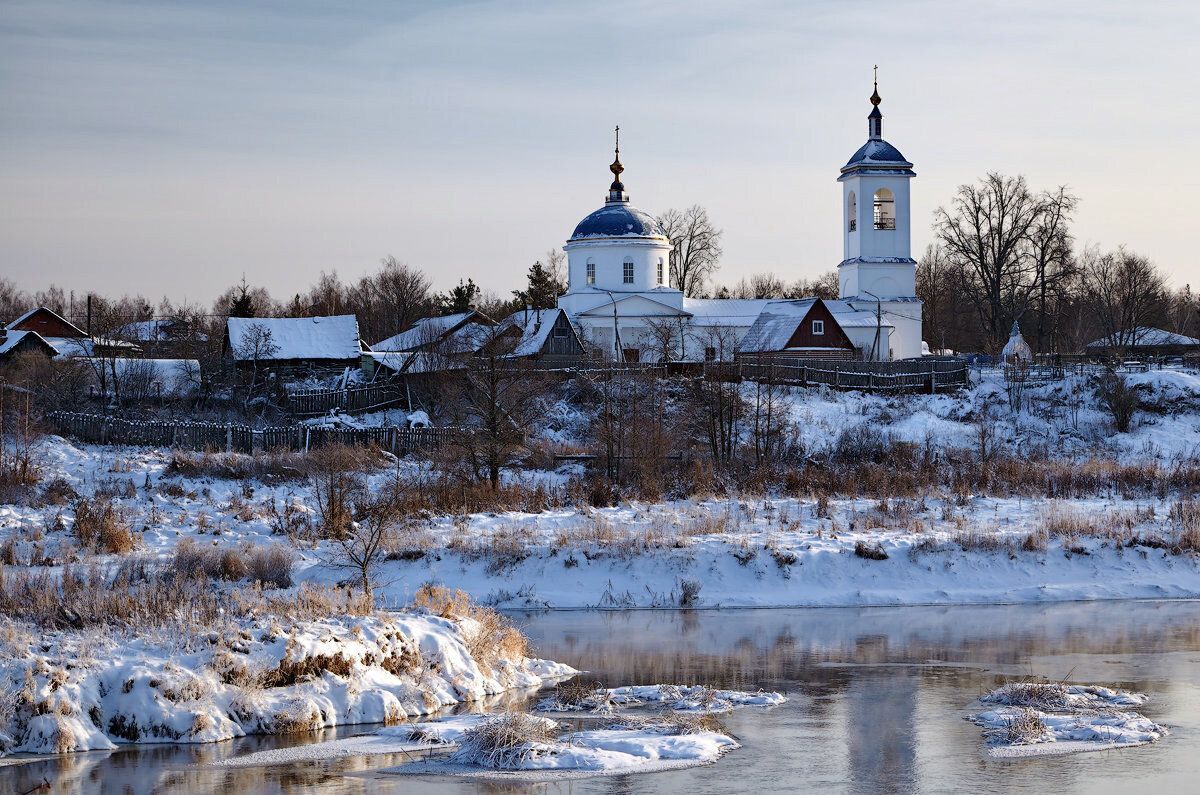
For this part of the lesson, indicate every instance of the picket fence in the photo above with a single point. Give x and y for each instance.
(218, 437)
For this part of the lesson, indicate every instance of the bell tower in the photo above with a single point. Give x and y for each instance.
(877, 265)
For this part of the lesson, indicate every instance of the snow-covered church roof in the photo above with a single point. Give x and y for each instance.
(618, 219)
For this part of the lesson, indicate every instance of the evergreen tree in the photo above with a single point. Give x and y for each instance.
(461, 298)
(543, 290)
(242, 304)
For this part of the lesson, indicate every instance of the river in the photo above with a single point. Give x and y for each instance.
(877, 699)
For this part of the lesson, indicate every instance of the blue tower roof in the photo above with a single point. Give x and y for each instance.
(618, 219)
(877, 152)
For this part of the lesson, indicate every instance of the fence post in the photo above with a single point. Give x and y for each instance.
(229, 438)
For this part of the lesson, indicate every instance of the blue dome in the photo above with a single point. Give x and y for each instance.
(618, 219)
(877, 152)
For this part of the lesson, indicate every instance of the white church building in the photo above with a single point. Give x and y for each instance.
(620, 299)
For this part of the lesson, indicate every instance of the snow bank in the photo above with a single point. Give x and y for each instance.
(1036, 719)
(77, 691)
(698, 700)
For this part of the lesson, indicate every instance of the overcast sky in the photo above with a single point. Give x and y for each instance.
(166, 148)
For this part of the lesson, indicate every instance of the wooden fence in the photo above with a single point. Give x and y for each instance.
(313, 402)
(920, 374)
(399, 441)
(98, 429)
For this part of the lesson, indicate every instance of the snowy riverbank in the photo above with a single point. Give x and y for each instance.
(79, 690)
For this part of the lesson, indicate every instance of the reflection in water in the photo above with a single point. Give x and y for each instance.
(878, 696)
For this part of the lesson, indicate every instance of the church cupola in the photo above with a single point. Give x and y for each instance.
(875, 118)
(616, 191)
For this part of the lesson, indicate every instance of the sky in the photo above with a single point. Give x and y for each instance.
(168, 148)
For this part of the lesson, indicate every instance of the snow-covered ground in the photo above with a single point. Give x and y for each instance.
(83, 690)
(720, 551)
(520, 743)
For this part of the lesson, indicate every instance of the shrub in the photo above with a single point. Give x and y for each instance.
(1118, 399)
(870, 551)
(271, 565)
(100, 527)
(505, 741)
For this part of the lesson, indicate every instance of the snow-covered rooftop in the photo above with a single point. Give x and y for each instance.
(333, 337)
(14, 323)
(425, 331)
(724, 311)
(1144, 335)
(776, 324)
(13, 339)
(149, 331)
(535, 325)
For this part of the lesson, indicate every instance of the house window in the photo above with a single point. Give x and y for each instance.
(710, 354)
(818, 327)
(591, 272)
(660, 271)
(560, 332)
(628, 271)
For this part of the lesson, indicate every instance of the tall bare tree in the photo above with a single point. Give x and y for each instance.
(985, 232)
(1051, 248)
(1122, 291)
(695, 248)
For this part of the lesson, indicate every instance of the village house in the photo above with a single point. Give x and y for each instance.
(1143, 341)
(293, 345)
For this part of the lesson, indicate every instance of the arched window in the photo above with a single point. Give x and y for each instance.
(591, 271)
(660, 271)
(852, 212)
(885, 209)
(628, 270)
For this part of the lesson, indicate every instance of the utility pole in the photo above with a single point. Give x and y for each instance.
(878, 325)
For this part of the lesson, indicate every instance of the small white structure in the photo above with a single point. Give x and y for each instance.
(1016, 350)
(618, 271)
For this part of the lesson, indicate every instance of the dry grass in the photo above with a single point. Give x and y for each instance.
(275, 466)
(506, 741)
(670, 722)
(1024, 727)
(100, 527)
(490, 636)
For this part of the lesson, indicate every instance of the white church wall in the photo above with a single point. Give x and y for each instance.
(609, 256)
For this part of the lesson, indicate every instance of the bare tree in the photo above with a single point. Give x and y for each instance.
(825, 287)
(665, 338)
(1122, 291)
(495, 396)
(985, 232)
(403, 296)
(256, 346)
(718, 408)
(695, 248)
(1051, 250)
(363, 544)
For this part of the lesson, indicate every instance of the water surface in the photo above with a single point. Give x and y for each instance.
(878, 697)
